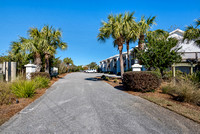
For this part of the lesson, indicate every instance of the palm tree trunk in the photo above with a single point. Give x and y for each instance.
(46, 62)
(120, 47)
(141, 42)
(127, 48)
(37, 61)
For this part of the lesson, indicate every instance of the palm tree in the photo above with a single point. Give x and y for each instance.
(18, 53)
(34, 45)
(68, 61)
(144, 26)
(51, 39)
(193, 32)
(114, 28)
(158, 34)
(131, 31)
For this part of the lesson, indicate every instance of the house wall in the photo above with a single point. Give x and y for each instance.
(190, 50)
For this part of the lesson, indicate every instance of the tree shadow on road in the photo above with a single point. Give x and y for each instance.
(93, 79)
(118, 86)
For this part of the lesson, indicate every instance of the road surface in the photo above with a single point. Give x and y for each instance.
(80, 104)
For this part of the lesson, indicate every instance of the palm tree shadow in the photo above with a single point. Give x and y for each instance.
(93, 79)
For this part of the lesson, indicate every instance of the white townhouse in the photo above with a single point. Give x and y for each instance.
(190, 56)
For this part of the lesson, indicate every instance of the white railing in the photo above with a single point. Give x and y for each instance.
(190, 55)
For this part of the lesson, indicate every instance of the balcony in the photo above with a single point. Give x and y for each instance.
(186, 56)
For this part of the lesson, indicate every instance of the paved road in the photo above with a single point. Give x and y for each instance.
(82, 105)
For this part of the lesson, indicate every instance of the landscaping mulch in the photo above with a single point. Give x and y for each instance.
(7, 111)
(188, 110)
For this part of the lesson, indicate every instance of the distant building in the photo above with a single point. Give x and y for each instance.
(190, 56)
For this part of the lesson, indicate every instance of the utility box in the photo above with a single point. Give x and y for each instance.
(30, 68)
(136, 66)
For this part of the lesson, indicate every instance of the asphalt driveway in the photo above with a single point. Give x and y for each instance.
(80, 104)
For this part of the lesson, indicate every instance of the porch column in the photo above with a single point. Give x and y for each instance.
(191, 69)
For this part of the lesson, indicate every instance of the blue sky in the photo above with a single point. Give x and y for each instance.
(80, 21)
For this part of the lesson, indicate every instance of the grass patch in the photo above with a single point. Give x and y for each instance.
(23, 88)
(115, 80)
(185, 91)
(41, 82)
(178, 108)
(6, 94)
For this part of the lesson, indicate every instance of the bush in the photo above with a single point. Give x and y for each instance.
(168, 75)
(195, 77)
(42, 74)
(103, 77)
(115, 80)
(41, 82)
(23, 89)
(107, 78)
(167, 89)
(141, 81)
(157, 73)
(185, 91)
(6, 95)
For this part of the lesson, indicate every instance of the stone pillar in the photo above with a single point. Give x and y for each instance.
(13, 71)
(8, 71)
(30, 68)
(4, 68)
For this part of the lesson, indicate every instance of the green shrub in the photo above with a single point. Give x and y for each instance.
(168, 75)
(103, 77)
(41, 82)
(195, 77)
(168, 88)
(184, 90)
(115, 80)
(156, 72)
(23, 88)
(141, 81)
(42, 74)
(107, 78)
(6, 95)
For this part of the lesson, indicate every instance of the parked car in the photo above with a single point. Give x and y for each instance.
(91, 71)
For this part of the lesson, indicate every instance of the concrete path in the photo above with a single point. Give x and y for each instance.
(80, 104)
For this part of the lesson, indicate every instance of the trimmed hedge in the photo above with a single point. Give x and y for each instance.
(144, 81)
(42, 74)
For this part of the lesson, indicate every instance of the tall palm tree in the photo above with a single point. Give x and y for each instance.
(34, 45)
(144, 26)
(18, 53)
(51, 40)
(114, 28)
(68, 61)
(131, 31)
(158, 34)
(193, 32)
